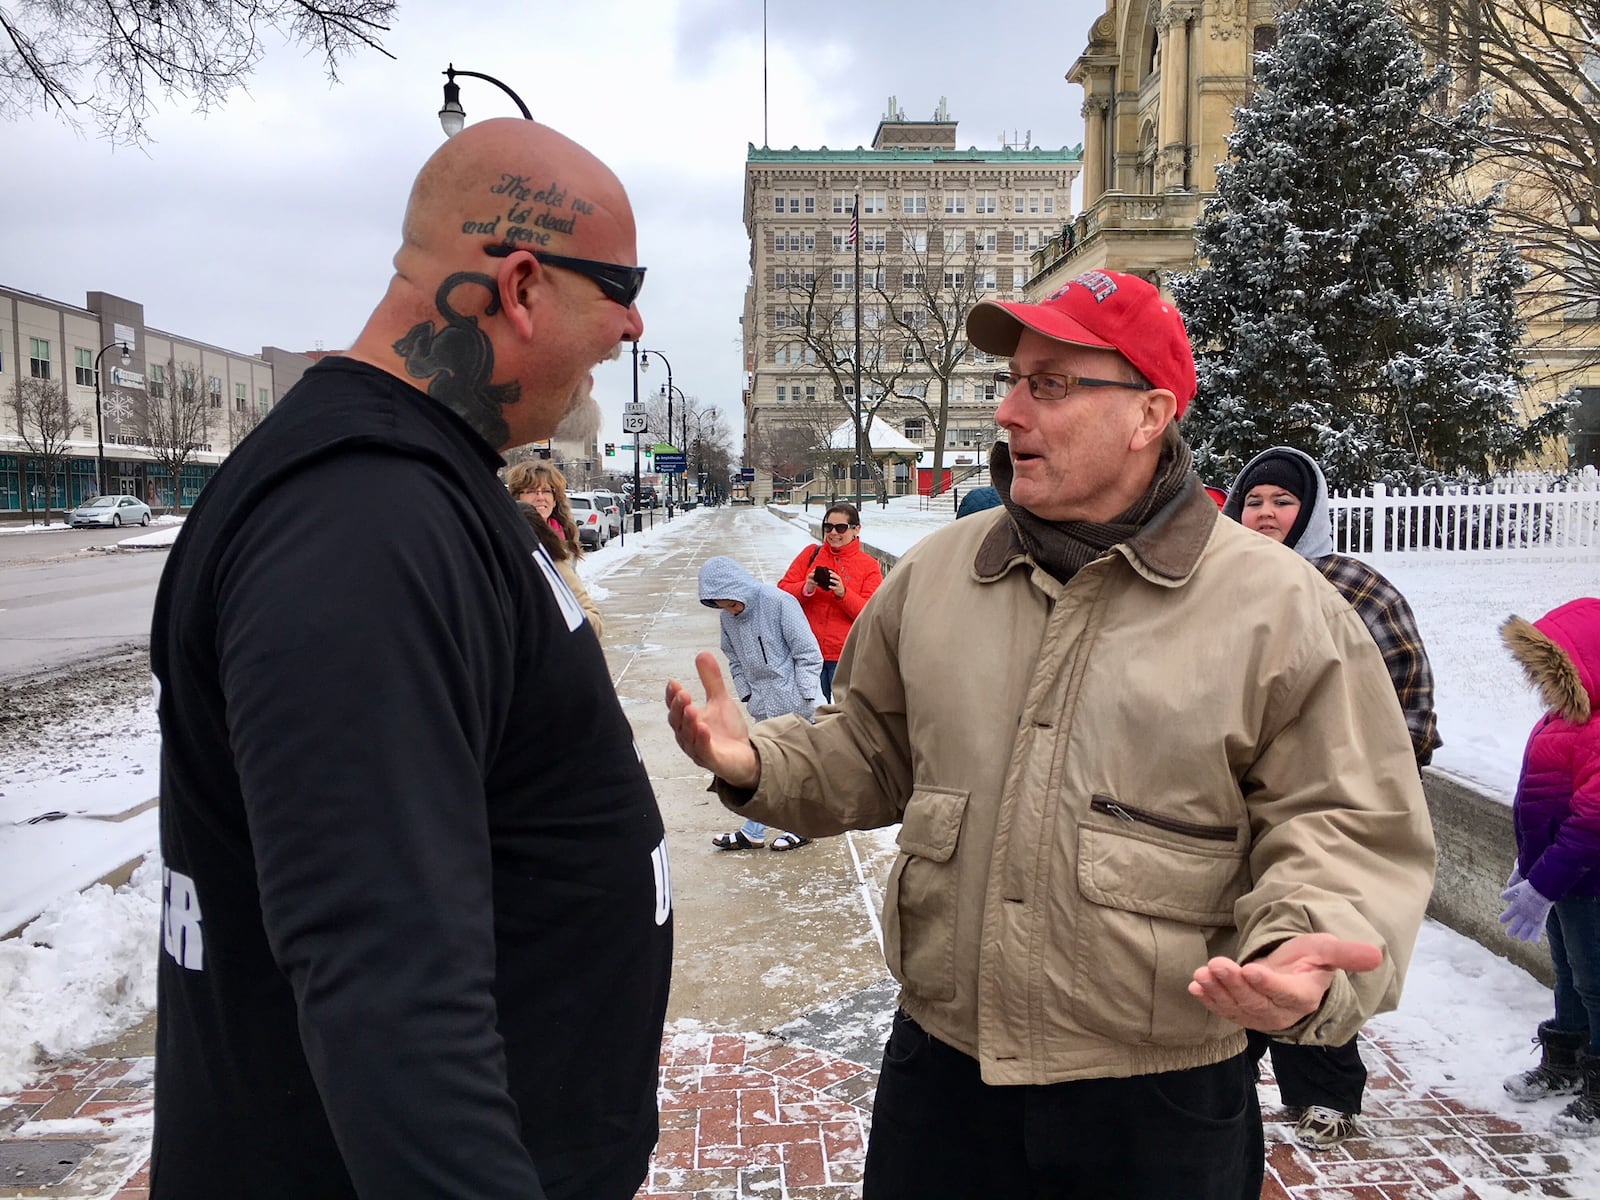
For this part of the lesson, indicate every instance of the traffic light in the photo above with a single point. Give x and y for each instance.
(611, 449)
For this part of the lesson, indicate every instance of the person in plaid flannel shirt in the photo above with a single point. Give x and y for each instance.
(1283, 495)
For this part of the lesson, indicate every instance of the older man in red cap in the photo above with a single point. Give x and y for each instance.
(1152, 782)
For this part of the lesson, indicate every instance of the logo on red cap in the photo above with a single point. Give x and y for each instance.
(1101, 286)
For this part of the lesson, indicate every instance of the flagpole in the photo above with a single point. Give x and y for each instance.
(764, 142)
(855, 228)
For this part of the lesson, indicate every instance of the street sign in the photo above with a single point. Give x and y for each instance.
(747, 474)
(672, 464)
(632, 409)
(634, 422)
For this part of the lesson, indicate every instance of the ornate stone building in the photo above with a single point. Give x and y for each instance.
(1160, 83)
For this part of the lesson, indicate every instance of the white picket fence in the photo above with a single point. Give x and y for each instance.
(1515, 517)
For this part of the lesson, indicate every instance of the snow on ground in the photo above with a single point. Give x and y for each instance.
(85, 967)
(1485, 708)
(80, 973)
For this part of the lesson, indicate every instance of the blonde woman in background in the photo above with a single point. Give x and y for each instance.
(540, 490)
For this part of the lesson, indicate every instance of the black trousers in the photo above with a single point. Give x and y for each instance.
(940, 1133)
(1332, 1076)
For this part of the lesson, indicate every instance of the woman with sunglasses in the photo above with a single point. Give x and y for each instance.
(833, 582)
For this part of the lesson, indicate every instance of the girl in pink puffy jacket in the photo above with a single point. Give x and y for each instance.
(1555, 887)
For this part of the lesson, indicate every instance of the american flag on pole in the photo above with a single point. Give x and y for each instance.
(855, 229)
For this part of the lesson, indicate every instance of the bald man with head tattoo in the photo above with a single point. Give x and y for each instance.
(409, 950)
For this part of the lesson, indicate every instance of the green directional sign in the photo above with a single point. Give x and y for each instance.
(663, 448)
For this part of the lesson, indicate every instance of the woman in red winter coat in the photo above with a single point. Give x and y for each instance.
(1555, 887)
(833, 582)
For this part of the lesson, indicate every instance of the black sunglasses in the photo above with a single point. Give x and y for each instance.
(618, 282)
(842, 527)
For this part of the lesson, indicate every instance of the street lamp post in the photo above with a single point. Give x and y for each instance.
(452, 116)
(638, 513)
(683, 445)
(99, 417)
(644, 365)
(700, 457)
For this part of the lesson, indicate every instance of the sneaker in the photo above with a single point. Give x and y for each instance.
(1323, 1128)
(1541, 1082)
(1579, 1119)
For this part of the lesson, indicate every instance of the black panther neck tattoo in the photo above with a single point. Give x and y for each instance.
(459, 359)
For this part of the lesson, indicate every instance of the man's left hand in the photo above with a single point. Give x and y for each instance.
(1277, 990)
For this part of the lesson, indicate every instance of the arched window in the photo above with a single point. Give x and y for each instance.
(1147, 159)
(1152, 60)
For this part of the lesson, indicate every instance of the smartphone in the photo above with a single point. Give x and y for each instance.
(822, 577)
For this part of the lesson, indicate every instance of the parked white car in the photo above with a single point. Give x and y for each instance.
(612, 505)
(594, 528)
(110, 510)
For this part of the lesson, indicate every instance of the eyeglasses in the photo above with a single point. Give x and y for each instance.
(841, 527)
(1045, 385)
(619, 283)
(537, 491)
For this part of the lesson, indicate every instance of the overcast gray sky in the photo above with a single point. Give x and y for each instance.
(273, 220)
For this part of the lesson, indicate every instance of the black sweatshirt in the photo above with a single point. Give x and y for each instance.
(417, 927)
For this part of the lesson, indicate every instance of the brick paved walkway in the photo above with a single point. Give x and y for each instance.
(745, 1116)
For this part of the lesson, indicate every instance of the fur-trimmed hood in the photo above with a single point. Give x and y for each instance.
(1560, 654)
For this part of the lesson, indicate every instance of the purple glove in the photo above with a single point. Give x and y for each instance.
(1516, 875)
(1526, 910)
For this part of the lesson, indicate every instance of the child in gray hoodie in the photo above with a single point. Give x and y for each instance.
(774, 660)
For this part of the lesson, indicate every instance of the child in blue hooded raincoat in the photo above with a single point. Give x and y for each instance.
(774, 659)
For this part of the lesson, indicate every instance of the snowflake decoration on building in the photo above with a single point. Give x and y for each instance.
(118, 407)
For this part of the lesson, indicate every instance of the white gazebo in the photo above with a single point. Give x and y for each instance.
(884, 445)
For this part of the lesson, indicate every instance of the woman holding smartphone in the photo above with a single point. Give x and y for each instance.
(833, 582)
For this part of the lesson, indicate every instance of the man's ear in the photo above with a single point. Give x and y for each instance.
(518, 281)
(1157, 409)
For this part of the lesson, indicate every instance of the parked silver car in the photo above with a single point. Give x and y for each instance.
(110, 510)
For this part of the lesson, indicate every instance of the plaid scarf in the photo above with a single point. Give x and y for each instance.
(1063, 548)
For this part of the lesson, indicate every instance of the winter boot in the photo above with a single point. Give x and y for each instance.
(1557, 1072)
(1581, 1118)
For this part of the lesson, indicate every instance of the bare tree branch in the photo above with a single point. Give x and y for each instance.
(45, 424)
(175, 420)
(111, 61)
(1541, 61)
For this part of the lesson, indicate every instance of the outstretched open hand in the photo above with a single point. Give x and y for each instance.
(715, 735)
(1277, 990)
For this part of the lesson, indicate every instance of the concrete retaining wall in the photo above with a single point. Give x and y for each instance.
(1476, 851)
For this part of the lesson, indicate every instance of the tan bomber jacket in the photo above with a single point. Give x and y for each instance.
(1191, 749)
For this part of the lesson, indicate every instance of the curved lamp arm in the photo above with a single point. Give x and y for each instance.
(452, 116)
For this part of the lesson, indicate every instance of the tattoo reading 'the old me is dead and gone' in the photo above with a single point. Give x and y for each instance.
(520, 223)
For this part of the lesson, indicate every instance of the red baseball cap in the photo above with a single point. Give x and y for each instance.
(1105, 310)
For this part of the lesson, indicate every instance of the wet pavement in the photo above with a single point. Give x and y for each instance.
(780, 1003)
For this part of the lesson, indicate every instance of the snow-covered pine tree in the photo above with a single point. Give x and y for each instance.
(1353, 299)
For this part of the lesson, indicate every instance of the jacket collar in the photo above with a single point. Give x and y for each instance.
(1165, 551)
